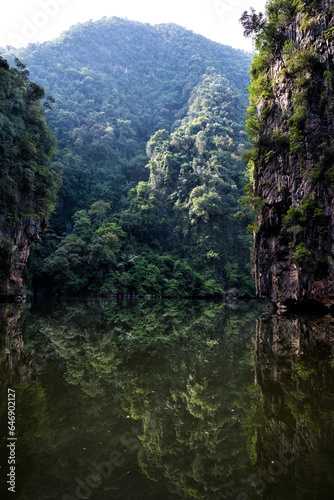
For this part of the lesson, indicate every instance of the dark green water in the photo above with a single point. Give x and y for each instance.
(168, 400)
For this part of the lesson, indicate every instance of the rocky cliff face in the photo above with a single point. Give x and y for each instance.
(21, 235)
(294, 161)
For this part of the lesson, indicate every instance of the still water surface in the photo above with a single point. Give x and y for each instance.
(168, 400)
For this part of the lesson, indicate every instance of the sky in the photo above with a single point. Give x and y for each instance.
(30, 21)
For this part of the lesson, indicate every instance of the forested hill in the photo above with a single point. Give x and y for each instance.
(135, 218)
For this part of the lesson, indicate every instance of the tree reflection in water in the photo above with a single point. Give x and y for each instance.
(167, 389)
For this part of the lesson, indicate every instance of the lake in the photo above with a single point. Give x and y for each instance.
(165, 400)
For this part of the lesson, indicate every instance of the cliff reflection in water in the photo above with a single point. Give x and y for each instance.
(293, 445)
(161, 401)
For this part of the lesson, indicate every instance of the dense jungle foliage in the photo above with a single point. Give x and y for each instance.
(149, 124)
(27, 183)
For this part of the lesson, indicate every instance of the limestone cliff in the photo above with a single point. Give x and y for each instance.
(21, 236)
(291, 119)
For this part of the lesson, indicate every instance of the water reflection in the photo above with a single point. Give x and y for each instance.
(293, 422)
(11, 346)
(161, 401)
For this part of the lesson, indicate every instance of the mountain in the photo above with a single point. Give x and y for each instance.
(119, 87)
(292, 124)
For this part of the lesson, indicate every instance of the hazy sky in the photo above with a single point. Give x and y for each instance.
(24, 21)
